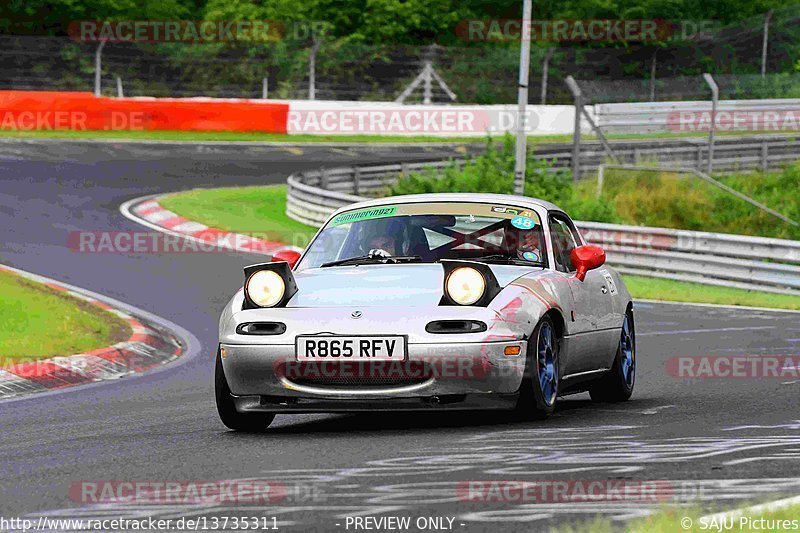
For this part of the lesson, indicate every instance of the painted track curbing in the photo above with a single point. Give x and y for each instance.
(150, 345)
(147, 211)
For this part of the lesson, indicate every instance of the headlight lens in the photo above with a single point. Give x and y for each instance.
(465, 285)
(265, 288)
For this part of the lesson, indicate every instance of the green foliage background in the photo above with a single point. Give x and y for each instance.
(645, 197)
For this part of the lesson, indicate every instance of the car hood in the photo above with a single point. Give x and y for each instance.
(407, 285)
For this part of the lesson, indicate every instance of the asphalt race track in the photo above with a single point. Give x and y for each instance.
(715, 442)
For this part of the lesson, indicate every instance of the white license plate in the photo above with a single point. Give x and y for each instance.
(342, 348)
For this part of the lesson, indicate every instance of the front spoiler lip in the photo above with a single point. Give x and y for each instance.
(351, 392)
(465, 402)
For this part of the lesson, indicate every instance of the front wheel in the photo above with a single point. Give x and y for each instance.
(233, 419)
(539, 389)
(617, 384)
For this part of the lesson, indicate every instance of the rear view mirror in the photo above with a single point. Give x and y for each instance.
(433, 221)
(290, 256)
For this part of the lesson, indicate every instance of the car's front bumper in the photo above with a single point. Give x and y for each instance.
(468, 375)
(463, 402)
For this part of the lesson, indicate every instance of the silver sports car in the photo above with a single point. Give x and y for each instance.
(436, 301)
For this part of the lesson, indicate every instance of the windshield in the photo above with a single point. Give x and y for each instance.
(430, 232)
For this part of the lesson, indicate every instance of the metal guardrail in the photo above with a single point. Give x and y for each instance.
(766, 264)
(652, 117)
(758, 152)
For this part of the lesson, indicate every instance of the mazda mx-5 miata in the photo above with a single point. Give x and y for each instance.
(423, 302)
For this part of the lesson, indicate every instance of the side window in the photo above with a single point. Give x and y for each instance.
(564, 242)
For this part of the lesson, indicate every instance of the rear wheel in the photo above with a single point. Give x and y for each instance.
(617, 384)
(539, 389)
(233, 419)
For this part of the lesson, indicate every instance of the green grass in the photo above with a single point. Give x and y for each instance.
(37, 322)
(262, 210)
(674, 519)
(644, 288)
(306, 138)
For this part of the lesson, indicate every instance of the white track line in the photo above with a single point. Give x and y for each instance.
(721, 306)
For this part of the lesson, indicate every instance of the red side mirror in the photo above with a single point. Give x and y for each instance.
(290, 256)
(586, 258)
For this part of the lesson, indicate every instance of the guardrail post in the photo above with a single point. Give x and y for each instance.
(120, 94)
(653, 77)
(521, 147)
(356, 180)
(312, 69)
(714, 99)
(764, 156)
(323, 178)
(601, 174)
(576, 134)
(98, 67)
(764, 43)
(545, 72)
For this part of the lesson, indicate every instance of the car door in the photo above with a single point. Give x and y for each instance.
(588, 347)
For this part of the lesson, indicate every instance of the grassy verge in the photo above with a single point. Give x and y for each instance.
(37, 322)
(262, 210)
(680, 519)
(681, 291)
(306, 138)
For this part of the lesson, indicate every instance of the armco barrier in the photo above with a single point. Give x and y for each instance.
(771, 265)
(51, 110)
(752, 152)
(780, 115)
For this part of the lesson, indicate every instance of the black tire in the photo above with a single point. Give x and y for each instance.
(617, 384)
(233, 419)
(532, 403)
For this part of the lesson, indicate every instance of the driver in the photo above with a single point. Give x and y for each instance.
(529, 246)
(387, 235)
(385, 243)
(524, 244)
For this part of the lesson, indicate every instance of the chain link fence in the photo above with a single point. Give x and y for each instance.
(477, 72)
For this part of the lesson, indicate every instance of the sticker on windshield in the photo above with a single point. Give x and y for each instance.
(530, 256)
(523, 222)
(367, 214)
(506, 210)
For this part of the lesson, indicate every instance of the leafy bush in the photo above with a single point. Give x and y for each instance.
(676, 200)
(493, 172)
(644, 197)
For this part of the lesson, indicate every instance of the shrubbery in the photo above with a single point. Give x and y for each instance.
(646, 197)
(493, 172)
